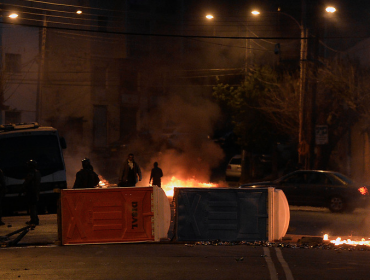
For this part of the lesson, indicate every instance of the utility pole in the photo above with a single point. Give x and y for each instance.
(40, 82)
(2, 80)
(303, 149)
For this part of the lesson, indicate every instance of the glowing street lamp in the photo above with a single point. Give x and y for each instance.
(209, 17)
(13, 15)
(330, 10)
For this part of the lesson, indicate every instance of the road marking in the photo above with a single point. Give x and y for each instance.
(288, 273)
(270, 264)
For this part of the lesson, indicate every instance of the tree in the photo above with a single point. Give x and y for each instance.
(266, 105)
(256, 130)
(343, 98)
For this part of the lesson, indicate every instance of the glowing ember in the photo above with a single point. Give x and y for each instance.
(103, 183)
(363, 190)
(339, 241)
(190, 183)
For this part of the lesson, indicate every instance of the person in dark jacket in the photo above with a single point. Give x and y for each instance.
(2, 193)
(156, 175)
(86, 177)
(31, 186)
(130, 173)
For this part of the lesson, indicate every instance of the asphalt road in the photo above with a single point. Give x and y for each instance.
(298, 257)
(319, 221)
(181, 261)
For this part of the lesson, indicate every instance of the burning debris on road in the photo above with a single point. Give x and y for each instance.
(169, 186)
(321, 243)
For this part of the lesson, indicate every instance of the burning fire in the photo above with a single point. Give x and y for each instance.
(103, 183)
(168, 187)
(339, 241)
(190, 183)
(363, 190)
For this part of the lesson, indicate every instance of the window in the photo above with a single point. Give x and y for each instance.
(12, 117)
(99, 77)
(102, 23)
(128, 81)
(13, 63)
(100, 126)
(298, 178)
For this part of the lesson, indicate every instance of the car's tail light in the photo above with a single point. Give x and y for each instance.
(363, 190)
(229, 167)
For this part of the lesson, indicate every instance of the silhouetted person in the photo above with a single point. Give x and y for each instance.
(31, 186)
(86, 177)
(130, 173)
(2, 193)
(156, 175)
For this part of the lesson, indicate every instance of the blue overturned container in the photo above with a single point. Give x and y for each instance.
(228, 214)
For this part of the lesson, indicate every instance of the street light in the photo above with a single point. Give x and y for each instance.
(330, 9)
(2, 106)
(303, 145)
(13, 15)
(247, 41)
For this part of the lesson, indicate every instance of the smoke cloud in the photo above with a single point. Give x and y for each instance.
(186, 150)
(178, 135)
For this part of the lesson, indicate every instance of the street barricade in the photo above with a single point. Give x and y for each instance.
(113, 215)
(231, 214)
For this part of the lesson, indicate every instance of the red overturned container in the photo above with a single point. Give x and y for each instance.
(114, 215)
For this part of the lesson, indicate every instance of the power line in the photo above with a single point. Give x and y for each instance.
(184, 36)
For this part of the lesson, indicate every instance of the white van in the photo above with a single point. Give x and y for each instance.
(234, 168)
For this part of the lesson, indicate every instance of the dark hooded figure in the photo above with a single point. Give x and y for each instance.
(31, 186)
(2, 193)
(86, 177)
(156, 175)
(130, 173)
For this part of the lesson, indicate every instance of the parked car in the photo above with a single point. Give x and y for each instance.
(320, 189)
(234, 168)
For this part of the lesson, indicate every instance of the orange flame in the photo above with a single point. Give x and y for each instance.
(339, 241)
(103, 183)
(363, 190)
(190, 183)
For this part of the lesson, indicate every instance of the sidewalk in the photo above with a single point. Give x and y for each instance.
(44, 234)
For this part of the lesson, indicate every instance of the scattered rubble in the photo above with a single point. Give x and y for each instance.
(303, 243)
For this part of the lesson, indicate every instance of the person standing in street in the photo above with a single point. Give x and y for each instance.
(86, 177)
(2, 193)
(130, 173)
(156, 175)
(31, 186)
